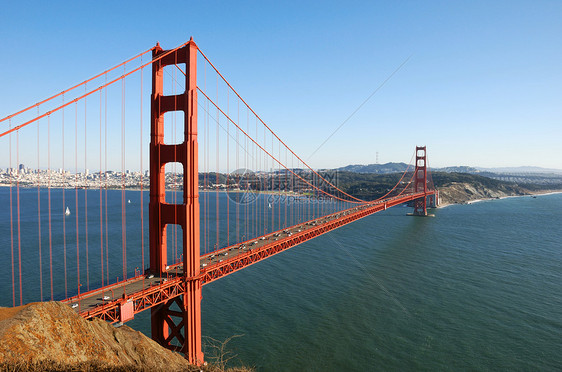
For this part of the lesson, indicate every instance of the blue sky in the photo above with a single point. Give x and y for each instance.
(482, 87)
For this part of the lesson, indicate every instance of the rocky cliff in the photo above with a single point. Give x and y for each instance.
(52, 334)
(463, 192)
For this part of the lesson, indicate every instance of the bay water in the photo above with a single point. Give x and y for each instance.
(476, 287)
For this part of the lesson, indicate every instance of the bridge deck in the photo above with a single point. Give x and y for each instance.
(145, 292)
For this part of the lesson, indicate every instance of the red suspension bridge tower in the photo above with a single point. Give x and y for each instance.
(168, 322)
(420, 181)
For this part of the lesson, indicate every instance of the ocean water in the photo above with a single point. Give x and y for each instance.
(477, 287)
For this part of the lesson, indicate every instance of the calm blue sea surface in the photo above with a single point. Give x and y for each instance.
(477, 287)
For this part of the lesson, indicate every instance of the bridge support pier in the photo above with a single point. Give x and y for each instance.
(433, 201)
(420, 181)
(181, 313)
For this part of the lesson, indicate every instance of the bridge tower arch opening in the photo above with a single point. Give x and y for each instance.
(177, 330)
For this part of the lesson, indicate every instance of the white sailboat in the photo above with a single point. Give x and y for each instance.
(67, 212)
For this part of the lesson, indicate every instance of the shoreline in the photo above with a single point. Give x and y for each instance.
(533, 193)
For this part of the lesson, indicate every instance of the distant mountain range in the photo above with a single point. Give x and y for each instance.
(401, 167)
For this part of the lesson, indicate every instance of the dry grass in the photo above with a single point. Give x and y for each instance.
(217, 354)
(51, 366)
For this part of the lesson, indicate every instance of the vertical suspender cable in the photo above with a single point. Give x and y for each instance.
(310, 199)
(272, 176)
(141, 170)
(265, 186)
(37, 176)
(123, 214)
(217, 175)
(256, 181)
(313, 196)
(205, 167)
(279, 188)
(286, 188)
(246, 206)
(49, 203)
(207, 181)
(293, 192)
(63, 208)
(18, 209)
(303, 205)
(76, 194)
(217, 201)
(239, 178)
(208, 193)
(12, 222)
(106, 185)
(227, 170)
(86, 191)
(101, 195)
(246, 229)
(315, 199)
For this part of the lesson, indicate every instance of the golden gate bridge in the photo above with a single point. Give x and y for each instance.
(202, 138)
